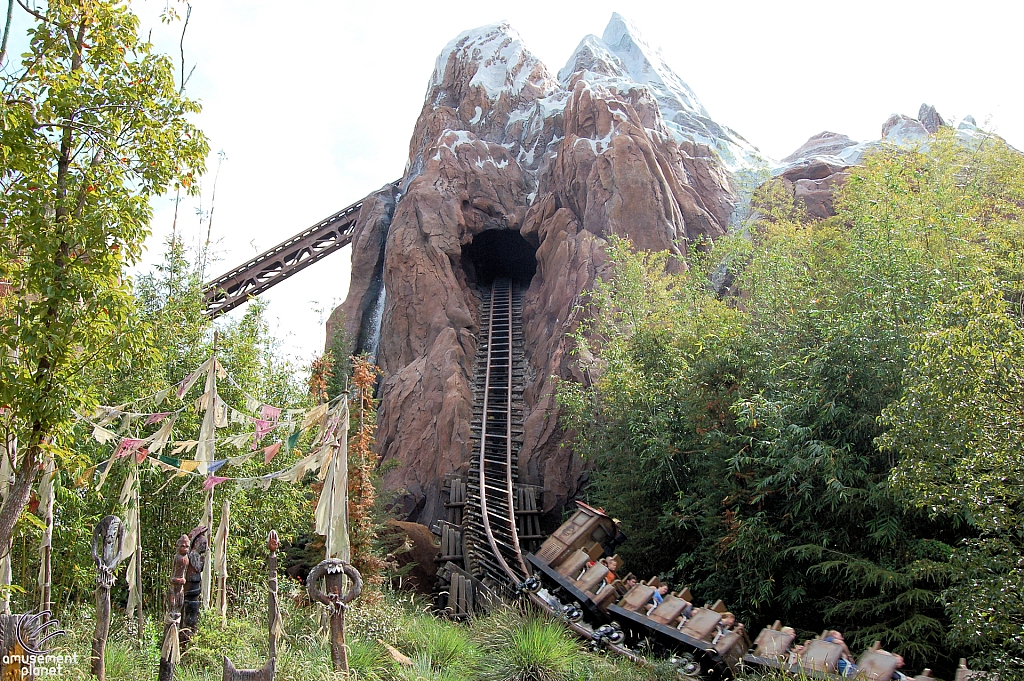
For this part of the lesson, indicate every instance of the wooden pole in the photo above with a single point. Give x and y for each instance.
(140, 616)
(274, 613)
(107, 545)
(335, 570)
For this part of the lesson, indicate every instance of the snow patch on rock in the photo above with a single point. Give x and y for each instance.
(622, 61)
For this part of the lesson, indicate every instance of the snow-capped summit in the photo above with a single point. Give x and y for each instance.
(593, 55)
(500, 62)
(623, 59)
(645, 65)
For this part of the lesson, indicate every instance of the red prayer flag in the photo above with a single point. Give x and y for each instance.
(212, 482)
(262, 428)
(270, 452)
(128, 445)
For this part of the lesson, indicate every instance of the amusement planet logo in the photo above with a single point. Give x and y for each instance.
(36, 661)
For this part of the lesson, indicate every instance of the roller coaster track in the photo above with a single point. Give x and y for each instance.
(492, 538)
(289, 257)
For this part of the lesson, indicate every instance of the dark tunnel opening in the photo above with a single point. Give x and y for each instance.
(497, 253)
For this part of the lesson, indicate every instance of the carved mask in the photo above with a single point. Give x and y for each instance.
(107, 539)
(111, 543)
(183, 545)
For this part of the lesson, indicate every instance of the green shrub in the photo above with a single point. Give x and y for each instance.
(449, 646)
(526, 646)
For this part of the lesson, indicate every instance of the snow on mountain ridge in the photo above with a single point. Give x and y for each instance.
(620, 60)
(592, 54)
(645, 65)
(503, 62)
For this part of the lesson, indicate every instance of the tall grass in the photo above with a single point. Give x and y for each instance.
(522, 645)
(509, 645)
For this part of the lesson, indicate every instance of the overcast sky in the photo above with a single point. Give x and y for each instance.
(313, 103)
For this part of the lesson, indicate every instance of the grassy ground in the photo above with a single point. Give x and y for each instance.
(510, 645)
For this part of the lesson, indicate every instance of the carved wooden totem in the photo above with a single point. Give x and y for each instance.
(170, 652)
(199, 545)
(333, 570)
(107, 540)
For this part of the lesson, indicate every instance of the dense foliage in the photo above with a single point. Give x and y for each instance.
(170, 303)
(92, 125)
(833, 441)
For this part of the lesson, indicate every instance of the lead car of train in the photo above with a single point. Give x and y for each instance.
(570, 580)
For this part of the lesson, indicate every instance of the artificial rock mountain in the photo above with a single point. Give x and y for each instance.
(616, 144)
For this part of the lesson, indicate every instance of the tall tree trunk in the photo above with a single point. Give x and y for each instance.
(21, 492)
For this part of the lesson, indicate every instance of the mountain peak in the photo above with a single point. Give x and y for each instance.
(497, 56)
(645, 64)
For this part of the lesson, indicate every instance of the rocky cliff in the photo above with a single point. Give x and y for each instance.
(508, 162)
(813, 173)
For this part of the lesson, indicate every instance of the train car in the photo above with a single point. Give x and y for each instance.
(569, 567)
(571, 577)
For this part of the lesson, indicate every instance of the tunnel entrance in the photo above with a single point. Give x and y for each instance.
(497, 253)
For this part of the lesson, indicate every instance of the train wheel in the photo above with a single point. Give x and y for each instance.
(685, 665)
(531, 585)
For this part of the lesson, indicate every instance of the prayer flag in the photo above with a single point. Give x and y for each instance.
(262, 428)
(128, 446)
(190, 380)
(212, 482)
(331, 513)
(157, 418)
(102, 435)
(185, 446)
(161, 437)
(237, 460)
(270, 452)
(314, 415)
(268, 413)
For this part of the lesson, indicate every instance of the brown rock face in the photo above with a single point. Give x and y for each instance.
(930, 118)
(413, 549)
(815, 188)
(813, 173)
(501, 145)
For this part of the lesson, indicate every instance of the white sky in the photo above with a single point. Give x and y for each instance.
(314, 102)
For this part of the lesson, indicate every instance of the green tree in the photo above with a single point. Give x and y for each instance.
(91, 127)
(171, 306)
(959, 434)
(746, 464)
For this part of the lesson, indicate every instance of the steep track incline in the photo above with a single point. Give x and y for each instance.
(492, 538)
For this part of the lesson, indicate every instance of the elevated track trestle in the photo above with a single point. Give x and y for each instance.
(289, 257)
